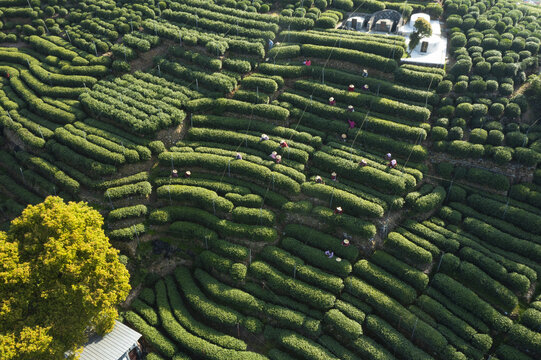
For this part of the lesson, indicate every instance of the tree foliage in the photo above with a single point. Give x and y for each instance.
(59, 276)
(422, 29)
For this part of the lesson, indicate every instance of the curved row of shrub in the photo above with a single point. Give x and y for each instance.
(221, 105)
(368, 101)
(288, 263)
(373, 124)
(393, 312)
(224, 227)
(284, 284)
(357, 57)
(246, 169)
(367, 175)
(211, 311)
(195, 344)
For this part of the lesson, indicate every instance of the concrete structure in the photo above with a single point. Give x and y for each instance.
(385, 21)
(357, 22)
(430, 51)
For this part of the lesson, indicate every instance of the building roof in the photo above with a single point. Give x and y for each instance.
(111, 346)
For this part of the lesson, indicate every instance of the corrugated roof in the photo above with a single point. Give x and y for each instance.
(111, 346)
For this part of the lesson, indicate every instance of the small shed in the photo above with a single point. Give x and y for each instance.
(357, 22)
(385, 21)
(120, 344)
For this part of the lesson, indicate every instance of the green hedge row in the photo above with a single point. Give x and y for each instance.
(528, 193)
(224, 227)
(159, 342)
(322, 241)
(368, 175)
(194, 37)
(376, 125)
(526, 339)
(353, 224)
(88, 166)
(281, 283)
(230, 250)
(506, 352)
(418, 79)
(183, 230)
(470, 301)
(48, 48)
(266, 18)
(351, 204)
(265, 85)
(381, 279)
(316, 257)
(131, 155)
(290, 264)
(341, 326)
(233, 297)
(209, 310)
(49, 170)
(373, 102)
(212, 261)
(128, 233)
(486, 286)
(146, 312)
(127, 212)
(38, 105)
(61, 80)
(221, 84)
(393, 312)
(365, 346)
(389, 88)
(515, 281)
(497, 223)
(487, 178)
(298, 344)
(234, 123)
(252, 171)
(51, 91)
(410, 275)
(236, 138)
(503, 240)
(204, 61)
(147, 295)
(188, 341)
(367, 45)
(142, 176)
(442, 242)
(444, 316)
(205, 21)
(354, 56)
(402, 248)
(394, 339)
(207, 199)
(87, 148)
(228, 105)
(336, 348)
(222, 188)
(517, 216)
(86, 70)
(253, 216)
(430, 201)
(142, 189)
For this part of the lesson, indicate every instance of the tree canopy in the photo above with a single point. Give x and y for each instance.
(422, 29)
(59, 276)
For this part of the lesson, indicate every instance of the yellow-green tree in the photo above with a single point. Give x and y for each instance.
(59, 276)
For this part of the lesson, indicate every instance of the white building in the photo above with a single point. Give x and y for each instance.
(430, 51)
